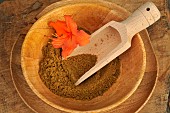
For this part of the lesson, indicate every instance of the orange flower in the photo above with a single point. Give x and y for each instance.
(68, 37)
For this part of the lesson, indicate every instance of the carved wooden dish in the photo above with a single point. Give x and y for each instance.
(89, 16)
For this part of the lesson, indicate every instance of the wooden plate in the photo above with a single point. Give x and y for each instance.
(25, 92)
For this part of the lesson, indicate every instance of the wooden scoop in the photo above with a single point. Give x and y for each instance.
(114, 38)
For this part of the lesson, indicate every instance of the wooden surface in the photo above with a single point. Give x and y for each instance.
(16, 22)
(133, 104)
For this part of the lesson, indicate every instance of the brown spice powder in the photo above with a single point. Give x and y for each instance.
(60, 75)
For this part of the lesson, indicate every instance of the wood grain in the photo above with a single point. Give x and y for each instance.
(15, 23)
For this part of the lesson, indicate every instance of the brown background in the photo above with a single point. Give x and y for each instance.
(17, 16)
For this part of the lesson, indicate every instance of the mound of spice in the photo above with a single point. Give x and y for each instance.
(60, 75)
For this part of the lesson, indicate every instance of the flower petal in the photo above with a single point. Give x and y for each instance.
(59, 26)
(82, 38)
(68, 46)
(59, 41)
(71, 24)
(67, 52)
(70, 43)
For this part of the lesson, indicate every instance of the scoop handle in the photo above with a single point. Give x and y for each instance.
(143, 17)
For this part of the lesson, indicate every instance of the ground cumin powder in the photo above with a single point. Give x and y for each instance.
(60, 75)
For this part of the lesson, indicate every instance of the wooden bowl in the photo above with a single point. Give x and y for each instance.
(89, 16)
